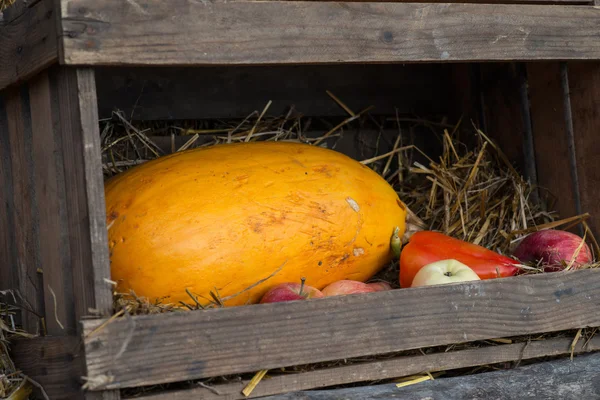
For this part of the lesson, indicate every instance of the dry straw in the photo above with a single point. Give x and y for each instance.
(468, 190)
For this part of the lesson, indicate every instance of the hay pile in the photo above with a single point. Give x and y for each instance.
(462, 184)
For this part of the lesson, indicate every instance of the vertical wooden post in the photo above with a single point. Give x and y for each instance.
(21, 210)
(52, 218)
(84, 186)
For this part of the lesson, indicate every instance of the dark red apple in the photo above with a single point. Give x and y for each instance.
(552, 247)
(380, 286)
(289, 292)
(347, 286)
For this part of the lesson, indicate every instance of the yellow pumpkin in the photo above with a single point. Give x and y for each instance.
(237, 219)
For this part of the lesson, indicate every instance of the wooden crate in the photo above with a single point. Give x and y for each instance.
(528, 71)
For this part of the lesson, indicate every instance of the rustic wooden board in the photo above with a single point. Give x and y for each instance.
(25, 215)
(237, 91)
(116, 32)
(572, 2)
(255, 337)
(9, 278)
(51, 196)
(552, 150)
(84, 185)
(51, 362)
(553, 380)
(584, 91)
(78, 110)
(505, 114)
(28, 41)
(381, 370)
(50, 147)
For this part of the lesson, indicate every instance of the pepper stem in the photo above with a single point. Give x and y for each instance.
(396, 243)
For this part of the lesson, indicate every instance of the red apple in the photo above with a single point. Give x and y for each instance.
(347, 287)
(552, 248)
(290, 291)
(442, 272)
(380, 286)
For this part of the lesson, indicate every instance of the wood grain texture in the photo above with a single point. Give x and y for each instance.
(28, 42)
(50, 194)
(85, 190)
(553, 380)
(381, 370)
(255, 337)
(116, 32)
(84, 185)
(237, 91)
(25, 216)
(550, 137)
(503, 110)
(584, 92)
(51, 361)
(9, 278)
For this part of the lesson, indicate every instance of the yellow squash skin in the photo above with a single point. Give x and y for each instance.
(229, 216)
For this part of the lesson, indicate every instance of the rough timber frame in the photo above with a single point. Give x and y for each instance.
(50, 167)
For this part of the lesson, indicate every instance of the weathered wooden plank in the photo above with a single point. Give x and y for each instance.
(116, 32)
(385, 369)
(552, 149)
(78, 110)
(85, 189)
(255, 337)
(28, 42)
(50, 194)
(553, 380)
(9, 278)
(584, 92)
(51, 361)
(237, 91)
(572, 2)
(25, 214)
(503, 111)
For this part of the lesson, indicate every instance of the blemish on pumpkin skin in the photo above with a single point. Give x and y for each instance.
(324, 169)
(257, 227)
(298, 162)
(358, 251)
(353, 204)
(113, 215)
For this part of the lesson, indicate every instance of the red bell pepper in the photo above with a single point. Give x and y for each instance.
(426, 247)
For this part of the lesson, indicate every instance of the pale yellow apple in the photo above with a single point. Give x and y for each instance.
(444, 271)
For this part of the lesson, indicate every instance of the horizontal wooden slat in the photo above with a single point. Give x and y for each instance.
(380, 370)
(28, 42)
(552, 380)
(185, 32)
(539, 2)
(175, 347)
